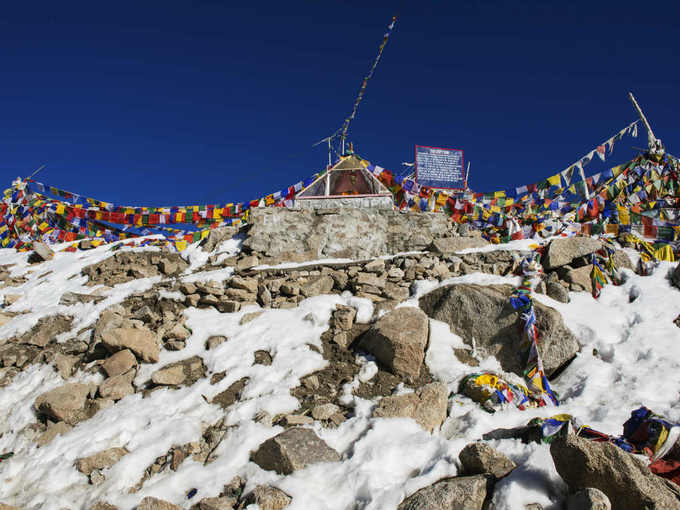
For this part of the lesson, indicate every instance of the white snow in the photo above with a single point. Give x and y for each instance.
(630, 356)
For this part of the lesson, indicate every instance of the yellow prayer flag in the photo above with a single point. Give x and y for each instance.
(554, 180)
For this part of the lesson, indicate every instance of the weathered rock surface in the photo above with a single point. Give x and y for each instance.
(119, 363)
(41, 252)
(561, 252)
(118, 386)
(150, 503)
(459, 493)
(398, 341)
(588, 499)
(450, 245)
(480, 458)
(186, 372)
(267, 498)
(103, 505)
(100, 460)
(625, 480)
(64, 403)
(142, 342)
(53, 431)
(557, 292)
(219, 503)
(296, 236)
(485, 314)
(293, 449)
(46, 330)
(427, 406)
(125, 266)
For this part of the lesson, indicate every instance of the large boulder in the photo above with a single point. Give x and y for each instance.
(398, 341)
(65, 403)
(626, 480)
(427, 406)
(563, 251)
(484, 313)
(459, 493)
(293, 449)
(142, 342)
(479, 458)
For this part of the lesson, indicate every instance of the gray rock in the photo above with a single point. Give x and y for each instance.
(479, 458)
(450, 245)
(579, 276)
(557, 292)
(41, 251)
(267, 498)
(214, 341)
(343, 317)
(141, 342)
(46, 330)
(485, 314)
(459, 493)
(150, 503)
(626, 480)
(675, 276)
(100, 460)
(247, 284)
(220, 503)
(217, 236)
(246, 262)
(375, 266)
(65, 364)
(103, 505)
(292, 450)
(622, 260)
(186, 372)
(65, 403)
(588, 499)
(53, 430)
(398, 341)
(324, 411)
(562, 251)
(427, 406)
(119, 363)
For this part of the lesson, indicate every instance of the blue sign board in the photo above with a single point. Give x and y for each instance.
(440, 168)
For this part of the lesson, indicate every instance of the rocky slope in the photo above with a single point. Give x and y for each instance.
(145, 379)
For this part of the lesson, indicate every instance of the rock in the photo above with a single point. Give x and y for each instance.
(485, 314)
(229, 306)
(340, 278)
(72, 298)
(231, 394)
(187, 288)
(118, 386)
(292, 450)
(103, 505)
(562, 251)
(65, 364)
(375, 266)
(214, 341)
(626, 480)
(119, 363)
(101, 460)
(675, 276)
(588, 499)
(150, 503)
(427, 406)
(186, 372)
(459, 493)
(541, 288)
(479, 459)
(216, 236)
(247, 284)
(178, 332)
(65, 403)
(293, 420)
(267, 498)
(622, 260)
(343, 317)
(141, 342)
(46, 330)
(53, 431)
(8, 507)
(324, 411)
(398, 341)
(579, 276)
(220, 503)
(370, 279)
(248, 317)
(317, 286)
(247, 262)
(450, 245)
(395, 274)
(41, 252)
(557, 292)
(263, 358)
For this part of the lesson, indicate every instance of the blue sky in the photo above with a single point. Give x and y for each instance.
(170, 103)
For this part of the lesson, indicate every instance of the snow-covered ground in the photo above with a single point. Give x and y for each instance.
(630, 356)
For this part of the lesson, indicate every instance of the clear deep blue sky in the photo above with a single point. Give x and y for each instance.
(178, 102)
